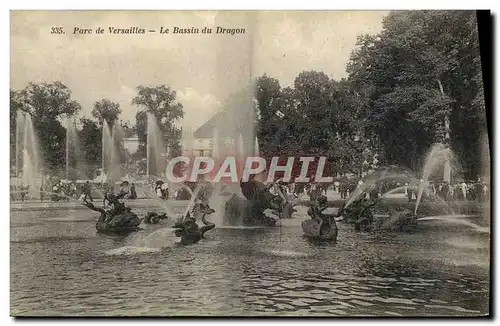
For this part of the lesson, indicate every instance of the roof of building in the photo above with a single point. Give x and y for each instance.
(220, 120)
(234, 117)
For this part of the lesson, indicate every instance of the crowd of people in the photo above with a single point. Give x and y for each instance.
(53, 189)
(19, 192)
(447, 191)
(64, 190)
(472, 191)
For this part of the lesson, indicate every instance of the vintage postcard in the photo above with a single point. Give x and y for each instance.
(248, 163)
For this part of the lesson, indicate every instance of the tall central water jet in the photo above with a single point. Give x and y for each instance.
(232, 128)
(217, 200)
(215, 145)
(235, 83)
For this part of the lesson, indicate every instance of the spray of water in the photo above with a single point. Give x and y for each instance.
(32, 152)
(192, 200)
(118, 134)
(106, 149)
(241, 146)
(392, 191)
(215, 145)
(438, 156)
(74, 156)
(156, 149)
(457, 219)
(19, 135)
(161, 203)
(216, 200)
(382, 175)
(28, 162)
(111, 144)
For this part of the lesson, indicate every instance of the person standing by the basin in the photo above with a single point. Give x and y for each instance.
(292, 188)
(341, 187)
(478, 191)
(463, 188)
(408, 191)
(351, 188)
(133, 193)
(433, 191)
(87, 191)
(446, 191)
(41, 191)
(164, 191)
(440, 190)
(23, 192)
(485, 191)
(344, 189)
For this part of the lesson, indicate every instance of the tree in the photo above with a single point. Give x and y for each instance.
(317, 117)
(160, 101)
(46, 103)
(105, 110)
(269, 103)
(420, 69)
(268, 95)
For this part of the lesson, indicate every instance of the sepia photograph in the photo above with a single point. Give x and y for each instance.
(281, 163)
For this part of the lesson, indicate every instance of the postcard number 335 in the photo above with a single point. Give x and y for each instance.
(56, 30)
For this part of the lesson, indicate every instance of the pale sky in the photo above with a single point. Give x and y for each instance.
(203, 68)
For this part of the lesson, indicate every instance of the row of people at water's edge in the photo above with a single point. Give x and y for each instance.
(57, 190)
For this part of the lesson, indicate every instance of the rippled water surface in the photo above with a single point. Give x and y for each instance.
(60, 266)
